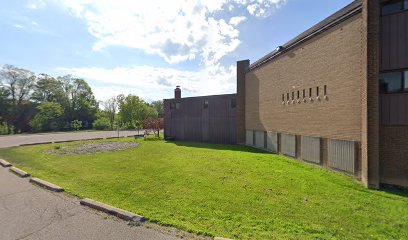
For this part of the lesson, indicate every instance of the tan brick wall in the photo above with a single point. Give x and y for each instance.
(333, 58)
(394, 155)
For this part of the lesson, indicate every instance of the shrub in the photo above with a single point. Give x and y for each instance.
(101, 124)
(76, 125)
(4, 129)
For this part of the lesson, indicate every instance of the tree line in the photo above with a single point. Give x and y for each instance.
(38, 103)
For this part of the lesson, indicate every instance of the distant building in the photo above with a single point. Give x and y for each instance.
(336, 95)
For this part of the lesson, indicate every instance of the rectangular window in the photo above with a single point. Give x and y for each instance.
(406, 5)
(298, 94)
(177, 106)
(293, 95)
(325, 90)
(172, 105)
(287, 96)
(310, 92)
(205, 104)
(406, 80)
(393, 7)
(390, 82)
(304, 93)
(283, 97)
(317, 91)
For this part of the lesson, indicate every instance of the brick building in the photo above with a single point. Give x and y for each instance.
(336, 95)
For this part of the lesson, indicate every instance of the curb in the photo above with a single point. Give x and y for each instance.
(125, 215)
(221, 238)
(32, 144)
(19, 172)
(66, 141)
(4, 163)
(47, 185)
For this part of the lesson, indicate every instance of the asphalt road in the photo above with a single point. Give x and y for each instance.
(16, 140)
(30, 212)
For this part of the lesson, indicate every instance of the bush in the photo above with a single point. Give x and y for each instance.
(4, 129)
(76, 125)
(101, 124)
(36, 124)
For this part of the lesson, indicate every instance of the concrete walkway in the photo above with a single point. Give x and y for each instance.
(16, 140)
(30, 212)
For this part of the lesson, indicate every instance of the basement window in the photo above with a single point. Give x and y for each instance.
(205, 104)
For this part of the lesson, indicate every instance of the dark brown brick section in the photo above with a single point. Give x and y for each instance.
(394, 155)
(242, 67)
(370, 94)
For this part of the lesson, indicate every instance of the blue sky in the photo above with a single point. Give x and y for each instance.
(148, 47)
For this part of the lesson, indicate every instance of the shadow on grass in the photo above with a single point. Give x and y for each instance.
(229, 147)
(400, 191)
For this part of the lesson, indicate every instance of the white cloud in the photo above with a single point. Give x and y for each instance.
(177, 31)
(36, 4)
(234, 21)
(153, 83)
(18, 26)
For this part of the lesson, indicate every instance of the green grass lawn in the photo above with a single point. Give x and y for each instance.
(222, 190)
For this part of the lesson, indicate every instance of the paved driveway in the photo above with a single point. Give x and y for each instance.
(30, 212)
(16, 140)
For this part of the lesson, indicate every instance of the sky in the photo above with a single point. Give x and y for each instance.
(147, 47)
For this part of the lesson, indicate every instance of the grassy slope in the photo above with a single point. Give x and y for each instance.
(229, 191)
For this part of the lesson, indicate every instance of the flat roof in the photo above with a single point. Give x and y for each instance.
(336, 18)
(209, 96)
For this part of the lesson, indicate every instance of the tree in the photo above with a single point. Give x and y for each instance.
(159, 107)
(49, 89)
(18, 83)
(82, 104)
(48, 117)
(153, 124)
(132, 110)
(4, 104)
(110, 109)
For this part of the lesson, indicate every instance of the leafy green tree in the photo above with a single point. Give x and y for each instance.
(18, 83)
(49, 89)
(158, 106)
(110, 109)
(133, 110)
(4, 104)
(82, 103)
(48, 117)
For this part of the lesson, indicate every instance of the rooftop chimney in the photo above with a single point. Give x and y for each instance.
(177, 93)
